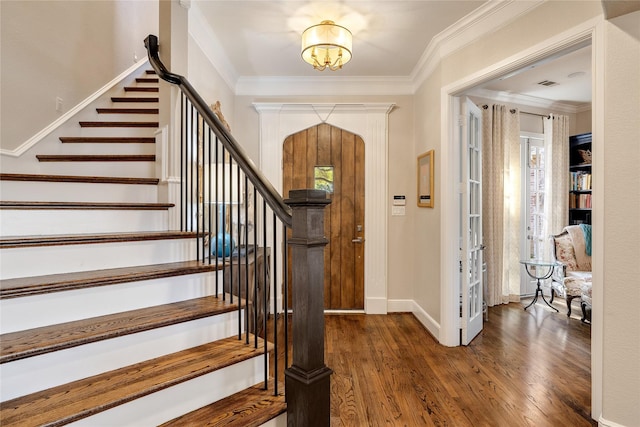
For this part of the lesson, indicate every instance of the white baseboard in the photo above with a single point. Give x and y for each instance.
(427, 321)
(403, 306)
(606, 423)
(400, 305)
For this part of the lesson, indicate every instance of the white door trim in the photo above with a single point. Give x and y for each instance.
(370, 122)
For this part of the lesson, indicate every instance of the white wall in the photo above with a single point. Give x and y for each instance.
(583, 122)
(621, 222)
(209, 84)
(66, 49)
(426, 231)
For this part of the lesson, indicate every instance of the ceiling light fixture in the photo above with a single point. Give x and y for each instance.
(576, 74)
(326, 45)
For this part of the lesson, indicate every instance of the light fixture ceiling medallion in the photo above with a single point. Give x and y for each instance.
(326, 45)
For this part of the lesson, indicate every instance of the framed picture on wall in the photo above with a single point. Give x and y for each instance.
(425, 179)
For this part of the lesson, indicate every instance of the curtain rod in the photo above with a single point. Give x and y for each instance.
(513, 111)
(531, 114)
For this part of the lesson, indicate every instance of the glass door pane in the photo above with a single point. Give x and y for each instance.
(535, 221)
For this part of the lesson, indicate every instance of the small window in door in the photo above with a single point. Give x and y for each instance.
(323, 178)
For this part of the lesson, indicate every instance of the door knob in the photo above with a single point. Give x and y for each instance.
(358, 240)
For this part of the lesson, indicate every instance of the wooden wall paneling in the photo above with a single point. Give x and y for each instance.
(347, 224)
(336, 210)
(312, 155)
(287, 182)
(324, 159)
(299, 180)
(359, 214)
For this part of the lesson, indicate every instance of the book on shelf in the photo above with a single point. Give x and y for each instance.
(580, 181)
(579, 201)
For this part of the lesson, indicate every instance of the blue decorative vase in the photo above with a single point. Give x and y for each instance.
(223, 245)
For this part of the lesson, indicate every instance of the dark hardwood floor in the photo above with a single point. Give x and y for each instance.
(525, 368)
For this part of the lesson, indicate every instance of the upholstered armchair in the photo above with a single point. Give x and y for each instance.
(572, 250)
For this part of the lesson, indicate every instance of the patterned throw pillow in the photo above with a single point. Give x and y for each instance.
(565, 253)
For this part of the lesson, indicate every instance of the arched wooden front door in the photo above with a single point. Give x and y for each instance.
(305, 154)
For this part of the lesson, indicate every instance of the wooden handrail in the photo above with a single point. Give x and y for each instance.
(261, 183)
(307, 380)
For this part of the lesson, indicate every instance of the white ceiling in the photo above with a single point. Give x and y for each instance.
(390, 38)
(567, 78)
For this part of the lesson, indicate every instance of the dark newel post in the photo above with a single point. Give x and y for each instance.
(307, 380)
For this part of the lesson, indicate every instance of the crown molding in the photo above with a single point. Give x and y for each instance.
(486, 19)
(324, 108)
(324, 85)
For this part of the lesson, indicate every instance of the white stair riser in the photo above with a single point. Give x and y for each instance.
(22, 377)
(128, 117)
(77, 192)
(43, 260)
(105, 148)
(25, 222)
(136, 169)
(164, 405)
(279, 421)
(35, 311)
(113, 131)
(132, 104)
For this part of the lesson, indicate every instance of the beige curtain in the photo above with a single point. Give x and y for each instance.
(556, 141)
(501, 203)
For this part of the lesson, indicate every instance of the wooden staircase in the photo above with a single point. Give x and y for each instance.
(106, 317)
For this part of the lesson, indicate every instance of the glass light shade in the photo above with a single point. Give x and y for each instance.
(326, 45)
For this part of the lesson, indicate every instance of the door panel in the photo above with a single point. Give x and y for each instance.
(325, 145)
(471, 224)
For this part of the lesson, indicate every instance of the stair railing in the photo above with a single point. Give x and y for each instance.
(243, 224)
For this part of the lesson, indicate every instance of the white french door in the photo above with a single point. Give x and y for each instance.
(471, 276)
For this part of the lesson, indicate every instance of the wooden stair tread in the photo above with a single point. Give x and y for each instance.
(74, 178)
(96, 158)
(134, 99)
(108, 139)
(141, 89)
(83, 239)
(127, 110)
(251, 407)
(37, 341)
(26, 286)
(147, 80)
(26, 204)
(95, 124)
(79, 399)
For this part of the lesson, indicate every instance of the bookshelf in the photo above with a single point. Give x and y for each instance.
(580, 179)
